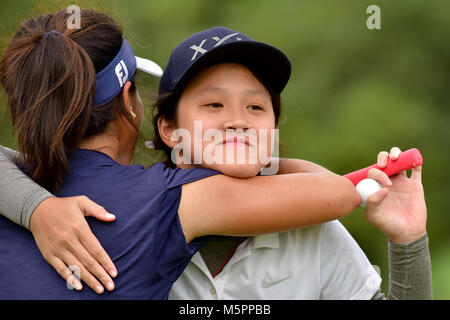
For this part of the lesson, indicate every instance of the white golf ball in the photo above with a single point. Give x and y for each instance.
(367, 187)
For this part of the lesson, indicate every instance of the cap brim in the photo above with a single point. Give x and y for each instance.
(148, 66)
(270, 63)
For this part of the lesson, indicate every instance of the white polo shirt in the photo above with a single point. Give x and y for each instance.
(317, 262)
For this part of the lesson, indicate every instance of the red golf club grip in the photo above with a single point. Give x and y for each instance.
(406, 160)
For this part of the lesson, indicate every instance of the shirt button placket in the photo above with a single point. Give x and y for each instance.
(219, 283)
(213, 292)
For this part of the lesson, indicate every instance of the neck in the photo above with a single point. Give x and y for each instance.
(119, 147)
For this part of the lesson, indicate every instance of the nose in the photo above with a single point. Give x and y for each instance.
(237, 121)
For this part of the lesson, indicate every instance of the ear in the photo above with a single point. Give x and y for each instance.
(127, 97)
(165, 129)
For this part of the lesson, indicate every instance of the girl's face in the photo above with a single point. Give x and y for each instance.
(229, 117)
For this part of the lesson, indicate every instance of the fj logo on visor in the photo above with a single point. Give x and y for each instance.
(121, 73)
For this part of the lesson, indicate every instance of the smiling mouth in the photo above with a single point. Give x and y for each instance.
(236, 141)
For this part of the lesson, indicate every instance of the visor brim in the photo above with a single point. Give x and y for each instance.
(148, 66)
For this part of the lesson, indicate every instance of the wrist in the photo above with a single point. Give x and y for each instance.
(41, 207)
(406, 239)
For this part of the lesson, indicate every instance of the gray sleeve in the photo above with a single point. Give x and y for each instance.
(409, 272)
(19, 195)
(12, 155)
(379, 296)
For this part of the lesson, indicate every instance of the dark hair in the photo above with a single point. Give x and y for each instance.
(49, 74)
(167, 106)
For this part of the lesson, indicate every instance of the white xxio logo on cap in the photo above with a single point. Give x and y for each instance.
(198, 48)
(122, 73)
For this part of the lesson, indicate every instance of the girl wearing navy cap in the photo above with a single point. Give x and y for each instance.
(77, 140)
(235, 86)
(216, 204)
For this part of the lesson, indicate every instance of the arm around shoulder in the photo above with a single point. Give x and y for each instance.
(224, 205)
(19, 195)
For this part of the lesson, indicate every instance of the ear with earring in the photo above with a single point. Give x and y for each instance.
(132, 112)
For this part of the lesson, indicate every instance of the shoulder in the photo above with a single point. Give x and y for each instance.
(174, 177)
(329, 236)
(302, 236)
(298, 244)
(334, 234)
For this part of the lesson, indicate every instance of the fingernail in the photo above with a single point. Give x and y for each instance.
(77, 285)
(113, 273)
(110, 286)
(99, 289)
(110, 216)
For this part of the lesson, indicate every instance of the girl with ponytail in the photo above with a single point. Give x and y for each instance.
(50, 81)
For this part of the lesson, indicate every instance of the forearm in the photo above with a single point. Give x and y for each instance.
(19, 195)
(224, 205)
(410, 271)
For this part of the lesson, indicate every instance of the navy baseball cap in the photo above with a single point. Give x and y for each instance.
(112, 78)
(220, 45)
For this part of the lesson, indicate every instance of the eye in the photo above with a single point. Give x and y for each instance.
(255, 107)
(214, 105)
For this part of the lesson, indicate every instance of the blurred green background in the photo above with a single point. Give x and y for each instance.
(353, 91)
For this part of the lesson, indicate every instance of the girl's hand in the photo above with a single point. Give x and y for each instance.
(64, 238)
(399, 208)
